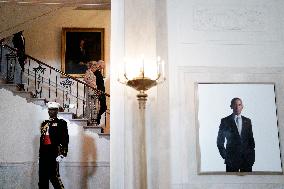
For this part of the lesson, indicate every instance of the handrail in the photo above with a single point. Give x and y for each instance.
(81, 98)
(63, 73)
(62, 90)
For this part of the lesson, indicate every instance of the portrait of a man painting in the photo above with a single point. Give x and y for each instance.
(79, 46)
(237, 124)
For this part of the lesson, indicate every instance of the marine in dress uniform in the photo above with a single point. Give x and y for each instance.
(53, 149)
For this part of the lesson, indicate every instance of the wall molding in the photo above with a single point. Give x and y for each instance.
(64, 164)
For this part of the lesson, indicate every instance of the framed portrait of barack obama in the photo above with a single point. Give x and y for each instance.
(80, 46)
(237, 129)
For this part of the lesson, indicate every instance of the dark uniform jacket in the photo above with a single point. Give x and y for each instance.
(58, 134)
(239, 150)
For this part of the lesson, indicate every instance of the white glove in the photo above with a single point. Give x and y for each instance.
(59, 158)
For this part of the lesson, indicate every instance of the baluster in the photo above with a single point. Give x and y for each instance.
(49, 83)
(63, 105)
(28, 80)
(21, 78)
(1, 55)
(56, 86)
(66, 90)
(13, 67)
(105, 117)
(77, 105)
(38, 80)
(11, 58)
(69, 100)
(96, 106)
(7, 68)
(84, 97)
(41, 86)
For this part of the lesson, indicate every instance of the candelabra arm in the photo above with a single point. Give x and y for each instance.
(125, 76)
(159, 82)
(158, 77)
(122, 81)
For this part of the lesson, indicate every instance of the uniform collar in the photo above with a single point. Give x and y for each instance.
(53, 119)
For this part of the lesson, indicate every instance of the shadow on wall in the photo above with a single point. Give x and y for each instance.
(88, 159)
(34, 166)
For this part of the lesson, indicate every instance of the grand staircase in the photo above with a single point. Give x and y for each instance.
(36, 84)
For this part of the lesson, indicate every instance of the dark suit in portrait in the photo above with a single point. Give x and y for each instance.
(77, 57)
(239, 153)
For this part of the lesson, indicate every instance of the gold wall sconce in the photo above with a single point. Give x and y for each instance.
(142, 83)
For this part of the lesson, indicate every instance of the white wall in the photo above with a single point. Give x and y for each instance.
(43, 38)
(220, 41)
(17, 17)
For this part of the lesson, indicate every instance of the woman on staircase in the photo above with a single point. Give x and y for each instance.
(95, 79)
(90, 79)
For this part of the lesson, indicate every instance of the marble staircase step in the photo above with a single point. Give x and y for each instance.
(105, 135)
(95, 129)
(23, 94)
(80, 122)
(11, 87)
(66, 115)
(37, 101)
(3, 81)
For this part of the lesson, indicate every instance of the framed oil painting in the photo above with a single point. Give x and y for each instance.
(237, 129)
(79, 46)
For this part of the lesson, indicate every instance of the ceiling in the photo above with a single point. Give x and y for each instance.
(17, 15)
(80, 4)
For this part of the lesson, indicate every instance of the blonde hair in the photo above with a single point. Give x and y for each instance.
(91, 63)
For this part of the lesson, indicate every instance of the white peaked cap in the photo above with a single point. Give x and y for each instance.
(51, 105)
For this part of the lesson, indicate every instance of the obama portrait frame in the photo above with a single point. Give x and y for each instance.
(213, 102)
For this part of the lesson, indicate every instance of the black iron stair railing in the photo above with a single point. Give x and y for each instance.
(45, 81)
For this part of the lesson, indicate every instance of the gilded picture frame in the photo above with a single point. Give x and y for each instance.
(79, 46)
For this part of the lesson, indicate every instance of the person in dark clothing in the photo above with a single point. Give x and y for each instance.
(100, 86)
(239, 154)
(82, 54)
(19, 44)
(53, 149)
(77, 58)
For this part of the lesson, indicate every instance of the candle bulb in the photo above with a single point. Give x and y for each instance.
(163, 69)
(158, 64)
(124, 65)
(124, 68)
(143, 69)
(142, 66)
